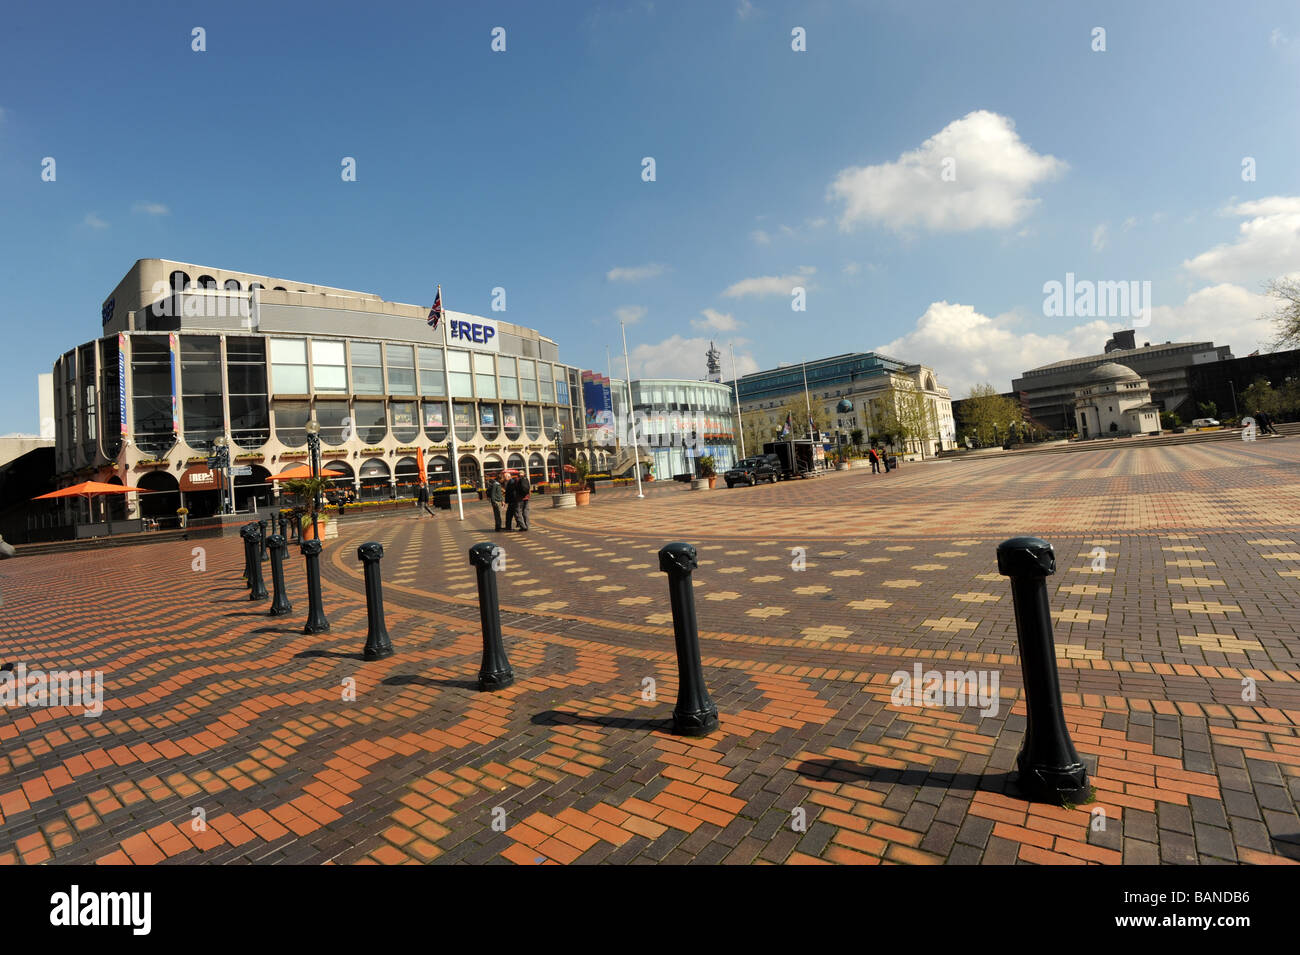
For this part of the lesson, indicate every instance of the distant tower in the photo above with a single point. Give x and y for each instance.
(713, 358)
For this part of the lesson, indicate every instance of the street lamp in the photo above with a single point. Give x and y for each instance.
(221, 461)
(559, 453)
(313, 445)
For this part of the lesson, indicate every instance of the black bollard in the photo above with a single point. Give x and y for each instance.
(495, 672)
(1050, 768)
(695, 713)
(279, 550)
(261, 527)
(256, 585)
(246, 534)
(378, 645)
(316, 622)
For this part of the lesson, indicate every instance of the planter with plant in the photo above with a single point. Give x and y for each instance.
(709, 470)
(306, 490)
(582, 494)
(184, 514)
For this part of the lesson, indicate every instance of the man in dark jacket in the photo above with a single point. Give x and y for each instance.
(512, 502)
(524, 493)
(497, 494)
(422, 496)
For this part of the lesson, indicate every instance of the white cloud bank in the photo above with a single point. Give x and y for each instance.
(990, 172)
(1267, 246)
(766, 285)
(635, 273)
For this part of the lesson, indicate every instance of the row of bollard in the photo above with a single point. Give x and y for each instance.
(1050, 767)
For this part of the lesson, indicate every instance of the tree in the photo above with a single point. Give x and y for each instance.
(986, 415)
(856, 437)
(916, 419)
(1287, 316)
(797, 409)
(1261, 396)
(1208, 409)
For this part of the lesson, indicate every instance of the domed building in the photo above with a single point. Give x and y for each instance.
(1115, 400)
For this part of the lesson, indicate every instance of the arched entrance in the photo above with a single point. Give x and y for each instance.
(166, 496)
(253, 490)
(536, 468)
(492, 466)
(407, 473)
(553, 466)
(439, 470)
(345, 484)
(375, 485)
(469, 471)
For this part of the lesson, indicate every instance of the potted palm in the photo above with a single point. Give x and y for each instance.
(307, 490)
(708, 470)
(581, 494)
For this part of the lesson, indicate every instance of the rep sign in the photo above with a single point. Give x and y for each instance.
(472, 334)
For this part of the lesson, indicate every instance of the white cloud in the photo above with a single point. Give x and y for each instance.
(679, 357)
(770, 284)
(94, 221)
(1129, 223)
(1268, 243)
(635, 273)
(630, 314)
(151, 208)
(852, 268)
(716, 321)
(967, 348)
(761, 237)
(1099, 238)
(744, 10)
(1278, 38)
(993, 173)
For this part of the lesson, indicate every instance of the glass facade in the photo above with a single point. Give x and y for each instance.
(678, 422)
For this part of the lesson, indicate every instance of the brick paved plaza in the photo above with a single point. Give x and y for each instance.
(213, 706)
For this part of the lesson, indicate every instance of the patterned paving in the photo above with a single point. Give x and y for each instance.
(229, 736)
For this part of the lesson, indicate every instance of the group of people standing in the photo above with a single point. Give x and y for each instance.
(879, 460)
(515, 493)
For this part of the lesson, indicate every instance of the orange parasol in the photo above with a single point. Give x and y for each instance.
(90, 489)
(302, 472)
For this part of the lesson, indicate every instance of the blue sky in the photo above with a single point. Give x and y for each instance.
(774, 168)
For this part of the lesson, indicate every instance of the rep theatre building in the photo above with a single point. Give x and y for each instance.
(188, 354)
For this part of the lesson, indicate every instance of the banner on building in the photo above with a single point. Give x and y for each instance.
(176, 410)
(121, 380)
(599, 404)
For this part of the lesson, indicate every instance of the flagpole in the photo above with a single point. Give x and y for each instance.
(451, 408)
(636, 445)
(735, 384)
(806, 399)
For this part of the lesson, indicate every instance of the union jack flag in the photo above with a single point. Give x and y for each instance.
(435, 313)
(789, 426)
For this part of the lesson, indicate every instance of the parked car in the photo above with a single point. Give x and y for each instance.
(1206, 423)
(762, 467)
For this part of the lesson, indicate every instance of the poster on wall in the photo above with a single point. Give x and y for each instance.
(435, 415)
(510, 418)
(489, 416)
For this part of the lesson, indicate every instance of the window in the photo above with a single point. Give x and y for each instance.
(368, 416)
(290, 422)
(485, 380)
(506, 372)
(151, 393)
(289, 366)
(402, 416)
(231, 285)
(511, 422)
(401, 370)
(250, 419)
(435, 420)
(201, 403)
(432, 379)
(527, 380)
(533, 423)
(329, 372)
(489, 421)
(464, 413)
(335, 422)
(458, 377)
(561, 390)
(545, 387)
(367, 368)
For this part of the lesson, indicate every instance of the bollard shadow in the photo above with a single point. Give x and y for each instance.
(335, 654)
(414, 679)
(246, 613)
(562, 718)
(1287, 846)
(843, 771)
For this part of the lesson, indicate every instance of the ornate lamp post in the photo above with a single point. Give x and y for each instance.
(559, 452)
(313, 445)
(221, 461)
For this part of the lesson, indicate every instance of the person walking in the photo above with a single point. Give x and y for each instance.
(512, 502)
(497, 494)
(422, 498)
(525, 492)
